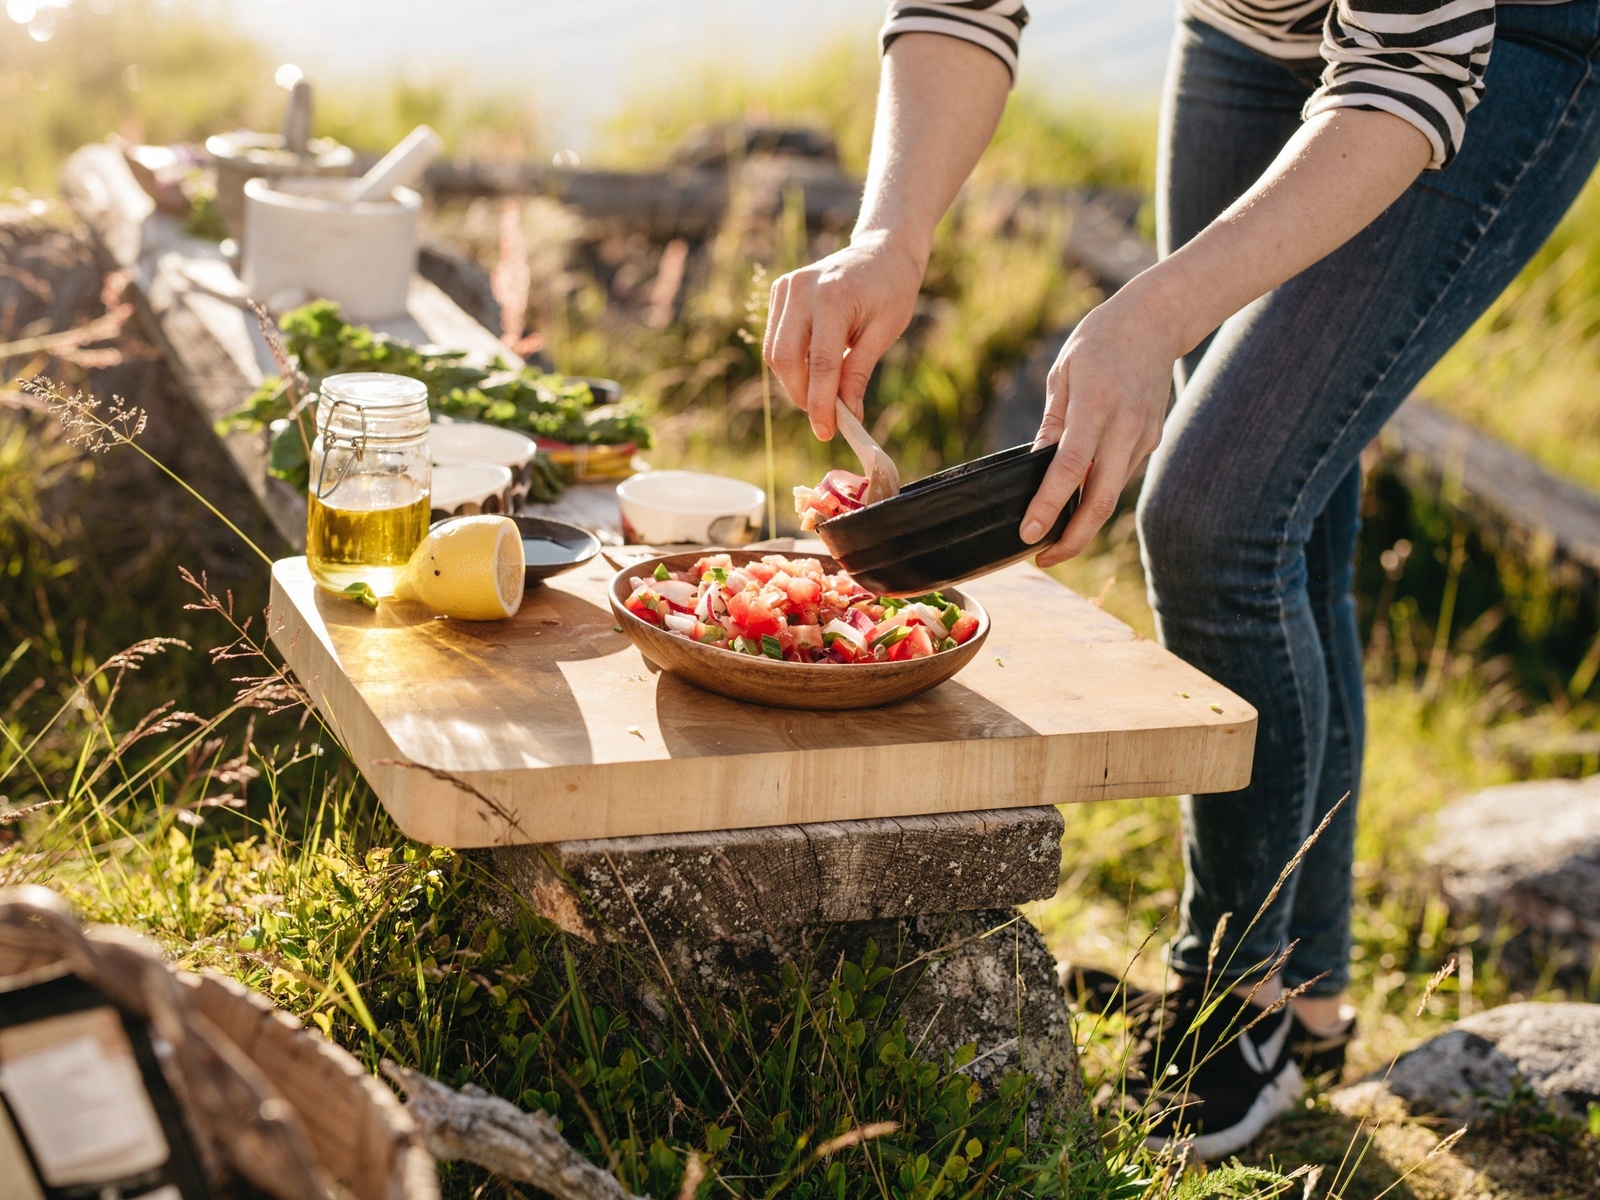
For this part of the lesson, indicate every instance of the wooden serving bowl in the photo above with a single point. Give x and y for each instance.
(824, 686)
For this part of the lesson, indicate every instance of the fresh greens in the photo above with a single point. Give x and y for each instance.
(539, 403)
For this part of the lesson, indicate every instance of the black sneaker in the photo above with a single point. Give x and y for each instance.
(1320, 1054)
(1211, 1085)
(1098, 991)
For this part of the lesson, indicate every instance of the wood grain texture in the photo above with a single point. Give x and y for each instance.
(707, 886)
(718, 669)
(551, 727)
(181, 287)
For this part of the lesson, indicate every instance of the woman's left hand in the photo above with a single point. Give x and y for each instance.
(1105, 402)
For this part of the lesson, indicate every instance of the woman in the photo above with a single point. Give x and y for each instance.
(1342, 190)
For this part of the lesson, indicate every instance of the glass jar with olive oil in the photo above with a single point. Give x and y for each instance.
(370, 479)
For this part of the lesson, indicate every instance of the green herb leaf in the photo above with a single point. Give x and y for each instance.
(362, 592)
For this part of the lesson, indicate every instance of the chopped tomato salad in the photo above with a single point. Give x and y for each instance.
(795, 611)
(839, 492)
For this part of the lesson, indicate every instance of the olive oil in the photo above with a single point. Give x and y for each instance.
(369, 536)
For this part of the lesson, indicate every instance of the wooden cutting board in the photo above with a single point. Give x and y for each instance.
(551, 726)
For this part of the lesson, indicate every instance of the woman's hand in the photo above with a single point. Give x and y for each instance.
(831, 322)
(1105, 402)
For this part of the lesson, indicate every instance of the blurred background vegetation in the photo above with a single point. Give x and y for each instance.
(241, 837)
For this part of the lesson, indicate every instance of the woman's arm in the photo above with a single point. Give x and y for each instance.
(1107, 394)
(938, 104)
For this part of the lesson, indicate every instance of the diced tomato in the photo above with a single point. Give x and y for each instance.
(697, 572)
(966, 625)
(918, 645)
(804, 593)
(646, 605)
(761, 572)
(753, 617)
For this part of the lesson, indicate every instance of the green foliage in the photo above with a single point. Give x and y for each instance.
(1526, 370)
(165, 72)
(539, 403)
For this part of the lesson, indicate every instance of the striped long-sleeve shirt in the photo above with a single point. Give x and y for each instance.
(1421, 60)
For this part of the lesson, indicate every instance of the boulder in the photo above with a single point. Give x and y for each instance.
(1552, 1049)
(1527, 855)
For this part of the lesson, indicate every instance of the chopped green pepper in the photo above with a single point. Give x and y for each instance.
(948, 644)
(661, 573)
(950, 616)
(770, 647)
(892, 637)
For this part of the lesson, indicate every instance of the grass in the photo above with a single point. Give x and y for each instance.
(230, 825)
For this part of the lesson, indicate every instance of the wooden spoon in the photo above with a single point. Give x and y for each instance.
(883, 477)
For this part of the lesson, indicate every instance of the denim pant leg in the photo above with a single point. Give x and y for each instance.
(1248, 510)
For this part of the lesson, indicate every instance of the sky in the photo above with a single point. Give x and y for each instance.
(584, 58)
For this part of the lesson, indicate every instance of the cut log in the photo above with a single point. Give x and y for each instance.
(186, 296)
(710, 886)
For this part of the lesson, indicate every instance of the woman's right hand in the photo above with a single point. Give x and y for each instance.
(829, 323)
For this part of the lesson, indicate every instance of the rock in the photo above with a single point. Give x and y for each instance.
(1554, 1049)
(707, 886)
(1527, 854)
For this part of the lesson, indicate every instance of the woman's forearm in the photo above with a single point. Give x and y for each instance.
(938, 104)
(1331, 180)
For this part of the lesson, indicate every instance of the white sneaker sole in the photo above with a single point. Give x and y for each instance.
(1277, 1098)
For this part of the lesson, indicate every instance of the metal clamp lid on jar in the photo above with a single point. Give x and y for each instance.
(359, 408)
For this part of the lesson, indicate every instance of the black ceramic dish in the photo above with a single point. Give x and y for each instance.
(945, 528)
(551, 547)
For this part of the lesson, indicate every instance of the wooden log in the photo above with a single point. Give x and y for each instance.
(474, 1126)
(186, 297)
(710, 886)
(686, 202)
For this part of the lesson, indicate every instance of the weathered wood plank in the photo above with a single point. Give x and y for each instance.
(550, 726)
(188, 300)
(724, 884)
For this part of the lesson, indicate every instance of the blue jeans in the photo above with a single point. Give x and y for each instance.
(1250, 510)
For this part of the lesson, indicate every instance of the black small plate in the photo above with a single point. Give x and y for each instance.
(569, 546)
(948, 527)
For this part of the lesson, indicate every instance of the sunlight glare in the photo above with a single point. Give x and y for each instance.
(288, 75)
(43, 27)
(22, 11)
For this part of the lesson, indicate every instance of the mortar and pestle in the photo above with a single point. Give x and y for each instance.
(245, 155)
(350, 241)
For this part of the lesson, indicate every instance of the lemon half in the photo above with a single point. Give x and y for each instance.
(471, 568)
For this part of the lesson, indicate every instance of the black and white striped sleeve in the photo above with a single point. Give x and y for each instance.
(1421, 60)
(996, 25)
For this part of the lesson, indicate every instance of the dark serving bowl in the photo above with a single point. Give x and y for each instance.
(948, 527)
(551, 547)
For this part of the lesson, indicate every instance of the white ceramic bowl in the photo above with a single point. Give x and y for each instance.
(663, 507)
(466, 489)
(474, 442)
(302, 238)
